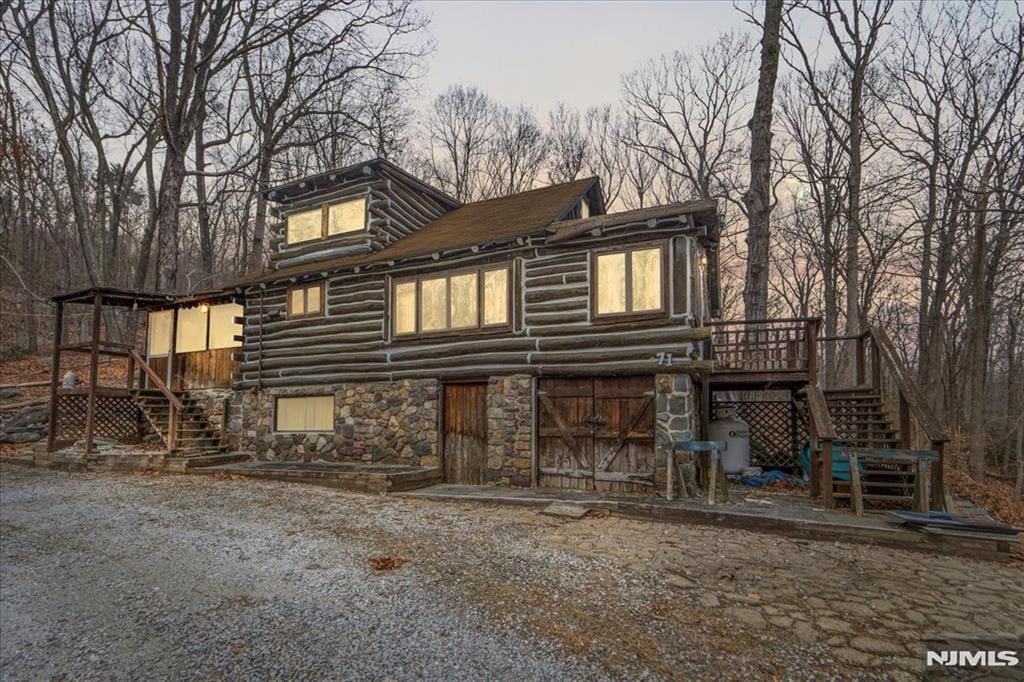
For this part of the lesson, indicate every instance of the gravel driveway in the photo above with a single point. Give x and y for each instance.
(169, 576)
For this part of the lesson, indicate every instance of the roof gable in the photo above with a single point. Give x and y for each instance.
(482, 222)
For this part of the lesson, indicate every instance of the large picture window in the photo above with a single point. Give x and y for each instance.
(200, 328)
(329, 219)
(470, 299)
(304, 413)
(629, 281)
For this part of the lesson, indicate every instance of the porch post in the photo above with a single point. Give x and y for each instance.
(58, 339)
(172, 349)
(94, 361)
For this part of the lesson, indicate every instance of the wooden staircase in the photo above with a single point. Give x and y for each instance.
(860, 419)
(193, 437)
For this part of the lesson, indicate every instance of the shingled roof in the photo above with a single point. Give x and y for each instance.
(479, 223)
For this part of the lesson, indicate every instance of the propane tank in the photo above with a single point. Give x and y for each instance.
(726, 426)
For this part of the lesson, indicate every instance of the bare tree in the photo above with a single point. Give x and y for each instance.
(855, 29)
(517, 151)
(569, 144)
(459, 127)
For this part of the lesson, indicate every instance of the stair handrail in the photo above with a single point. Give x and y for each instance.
(909, 390)
(175, 405)
(156, 380)
(818, 409)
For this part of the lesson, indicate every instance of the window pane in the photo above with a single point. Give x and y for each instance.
(433, 304)
(496, 297)
(305, 226)
(646, 278)
(463, 303)
(160, 332)
(291, 414)
(320, 413)
(348, 216)
(191, 330)
(296, 301)
(313, 302)
(405, 308)
(611, 283)
(222, 325)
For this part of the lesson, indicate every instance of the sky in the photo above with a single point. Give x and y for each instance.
(540, 53)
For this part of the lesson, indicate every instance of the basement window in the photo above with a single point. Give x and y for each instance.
(306, 300)
(629, 281)
(461, 301)
(326, 220)
(304, 413)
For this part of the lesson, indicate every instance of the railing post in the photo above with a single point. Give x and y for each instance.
(826, 474)
(58, 339)
(94, 367)
(131, 372)
(815, 451)
(172, 427)
(938, 496)
(812, 350)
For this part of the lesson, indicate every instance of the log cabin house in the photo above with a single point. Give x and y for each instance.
(531, 339)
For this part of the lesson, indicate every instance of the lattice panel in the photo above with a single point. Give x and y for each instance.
(778, 429)
(117, 418)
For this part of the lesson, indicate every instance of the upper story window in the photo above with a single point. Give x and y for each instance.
(199, 328)
(584, 208)
(306, 300)
(629, 281)
(470, 299)
(326, 220)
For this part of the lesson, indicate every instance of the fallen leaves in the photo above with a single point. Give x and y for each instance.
(387, 563)
(994, 495)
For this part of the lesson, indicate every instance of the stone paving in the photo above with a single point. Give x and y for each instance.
(637, 599)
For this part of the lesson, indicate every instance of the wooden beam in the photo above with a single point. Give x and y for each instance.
(172, 349)
(826, 474)
(58, 334)
(94, 362)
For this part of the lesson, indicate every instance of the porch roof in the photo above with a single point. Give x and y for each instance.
(146, 300)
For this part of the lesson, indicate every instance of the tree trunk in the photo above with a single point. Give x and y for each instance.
(758, 195)
(979, 324)
(255, 256)
(168, 207)
(202, 208)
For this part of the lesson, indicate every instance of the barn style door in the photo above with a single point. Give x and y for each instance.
(465, 433)
(597, 434)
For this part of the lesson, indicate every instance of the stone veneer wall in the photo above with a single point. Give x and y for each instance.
(384, 422)
(674, 421)
(212, 402)
(510, 430)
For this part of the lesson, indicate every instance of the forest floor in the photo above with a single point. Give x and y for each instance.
(122, 576)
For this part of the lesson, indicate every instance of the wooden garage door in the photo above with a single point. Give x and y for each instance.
(465, 433)
(597, 434)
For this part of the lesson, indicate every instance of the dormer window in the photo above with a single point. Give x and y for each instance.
(326, 220)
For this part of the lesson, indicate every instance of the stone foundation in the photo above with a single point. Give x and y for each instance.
(674, 404)
(510, 429)
(212, 402)
(383, 422)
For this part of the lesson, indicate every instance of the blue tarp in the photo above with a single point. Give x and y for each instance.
(840, 462)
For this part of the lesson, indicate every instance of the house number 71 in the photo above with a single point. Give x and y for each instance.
(664, 359)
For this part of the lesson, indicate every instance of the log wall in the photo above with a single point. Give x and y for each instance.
(553, 333)
(394, 210)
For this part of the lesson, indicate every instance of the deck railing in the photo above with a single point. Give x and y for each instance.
(778, 345)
